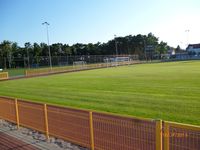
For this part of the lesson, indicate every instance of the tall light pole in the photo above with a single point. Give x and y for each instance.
(116, 51)
(116, 46)
(47, 24)
(145, 52)
(187, 31)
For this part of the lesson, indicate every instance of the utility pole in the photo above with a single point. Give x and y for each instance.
(47, 24)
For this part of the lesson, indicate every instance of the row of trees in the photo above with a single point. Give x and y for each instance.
(128, 45)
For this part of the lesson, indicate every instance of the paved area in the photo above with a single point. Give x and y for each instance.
(12, 138)
(10, 143)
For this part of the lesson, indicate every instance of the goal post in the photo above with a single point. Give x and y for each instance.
(118, 61)
(79, 65)
(123, 60)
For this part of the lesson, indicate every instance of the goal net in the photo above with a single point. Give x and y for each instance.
(117, 61)
(79, 64)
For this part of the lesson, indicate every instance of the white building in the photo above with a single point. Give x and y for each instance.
(193, 48)
(171, 51)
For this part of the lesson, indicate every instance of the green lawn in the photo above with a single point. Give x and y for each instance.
(168, 91)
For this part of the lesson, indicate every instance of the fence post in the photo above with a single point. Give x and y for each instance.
(46, 121)
(17, 113)
(166, 136)
(7, 76)
(26, 73)
(158, 134)
(91, 131)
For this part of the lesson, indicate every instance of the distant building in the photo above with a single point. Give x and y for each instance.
(193, 48)
(171, 51)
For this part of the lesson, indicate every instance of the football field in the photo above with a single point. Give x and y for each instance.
(168, 91)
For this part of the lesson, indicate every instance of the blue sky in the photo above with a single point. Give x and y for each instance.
(90, 21)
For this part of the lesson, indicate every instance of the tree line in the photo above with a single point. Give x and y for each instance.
(128, 45)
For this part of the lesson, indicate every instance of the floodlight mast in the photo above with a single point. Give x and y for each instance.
(187, 31)
(47, 24)
(116, 50)
(116, 46)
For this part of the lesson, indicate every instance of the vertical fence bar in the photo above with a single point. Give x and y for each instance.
(17, 113)
(46, 121)
(7, 76)
(166, 136)
(26, 73)
(158, 134)
(91, 131)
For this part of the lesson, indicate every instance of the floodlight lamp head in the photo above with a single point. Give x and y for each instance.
(45, 23)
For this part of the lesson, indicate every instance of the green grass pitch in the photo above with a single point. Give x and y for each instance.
(168, 91)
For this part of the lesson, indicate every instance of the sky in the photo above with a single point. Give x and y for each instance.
(91, 21)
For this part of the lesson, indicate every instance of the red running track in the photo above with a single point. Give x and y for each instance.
(10, 143)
